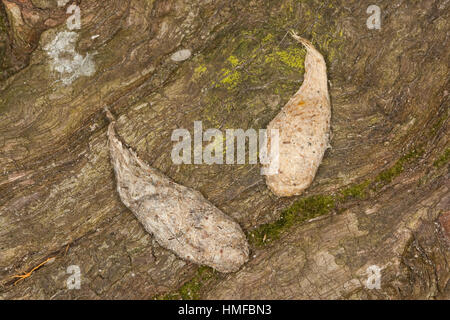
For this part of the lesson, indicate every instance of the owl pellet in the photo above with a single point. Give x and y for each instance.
(304, 126)
(179, 218)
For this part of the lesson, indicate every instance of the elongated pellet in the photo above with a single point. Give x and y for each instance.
(179, 218)
(304, 126)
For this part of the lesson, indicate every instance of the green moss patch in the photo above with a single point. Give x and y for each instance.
(190, 290)
(315, 206)
(388, 175)
(443, 159)
(302, 210)
(358, 191)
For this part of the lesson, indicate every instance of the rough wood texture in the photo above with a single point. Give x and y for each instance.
(387, 170)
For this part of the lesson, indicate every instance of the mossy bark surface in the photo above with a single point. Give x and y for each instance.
(380, 196)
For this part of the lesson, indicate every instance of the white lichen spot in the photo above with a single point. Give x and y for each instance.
(66, 61)
(181, 55)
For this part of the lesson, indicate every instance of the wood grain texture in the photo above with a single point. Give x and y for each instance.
(389, 91)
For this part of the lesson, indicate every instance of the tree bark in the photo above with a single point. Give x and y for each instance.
(384, 181)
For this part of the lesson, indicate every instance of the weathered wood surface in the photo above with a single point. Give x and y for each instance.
(389, 93)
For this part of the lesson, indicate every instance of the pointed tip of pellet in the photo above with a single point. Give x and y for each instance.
(303, 41)
(109, 115)
(308, 45)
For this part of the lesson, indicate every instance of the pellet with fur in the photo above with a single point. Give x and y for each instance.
(179, 218)
(304, 126)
